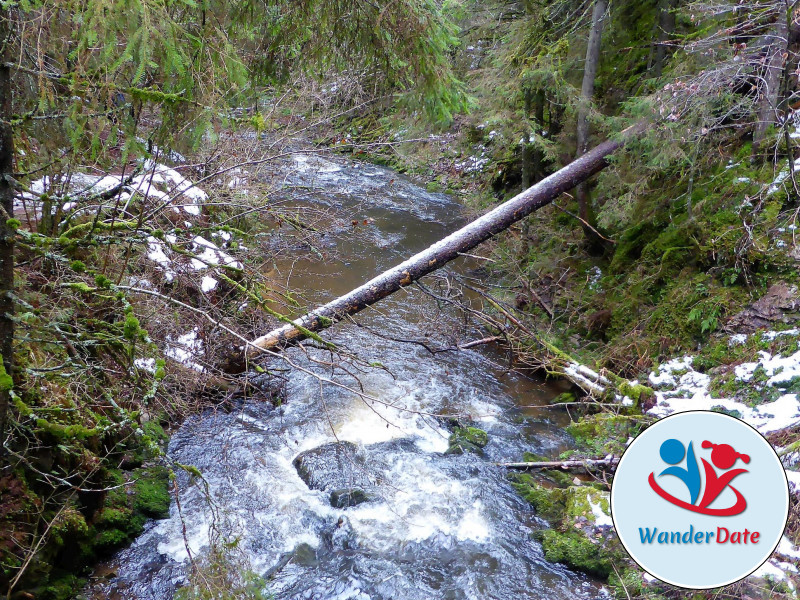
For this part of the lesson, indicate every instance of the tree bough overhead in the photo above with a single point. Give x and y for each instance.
(447, 249)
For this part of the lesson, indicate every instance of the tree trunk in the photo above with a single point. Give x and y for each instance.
(445, 250)
(7, 232)
(776, 45)
(527, 158)
(537, 167)
(666, 27)
(587, 91)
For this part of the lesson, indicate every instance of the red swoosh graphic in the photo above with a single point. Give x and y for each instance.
(737, 508)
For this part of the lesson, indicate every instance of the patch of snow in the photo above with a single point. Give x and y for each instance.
(472, 164)
(156, 251)
(781, 177)
(773, 570)
(691, 392)
(663, 376)
(176, 186)
(585, 377)
(601, 519)
(185, 349)
(787, 549)
(157, 181)
(209, 254)
(737, 339)
(595, 275)
(208, 284)
(778, 368)
(146, 364)
(771, 335)
(790, 459)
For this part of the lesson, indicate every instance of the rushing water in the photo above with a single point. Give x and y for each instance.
(438, 526)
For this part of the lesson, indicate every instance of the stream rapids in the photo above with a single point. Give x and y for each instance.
(437, 526)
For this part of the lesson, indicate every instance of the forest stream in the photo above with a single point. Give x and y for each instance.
(434, 525)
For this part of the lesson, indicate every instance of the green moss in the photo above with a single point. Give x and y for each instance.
(564, 398)
(726, 411)
(628, 583)
(549, 504)
(102, 281)
(473, 435)
(63, 587)
(151, 492)
(580, 498)
(575, 550)
(108, 540)
(433, 187)
(6, 382)
(635, 391)
(113, 518)
(161, 369)
(66, 432)
(605, 433)
(467, 439)
(131, 328)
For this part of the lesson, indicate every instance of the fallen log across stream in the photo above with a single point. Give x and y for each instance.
(607, 464)
(447, 249)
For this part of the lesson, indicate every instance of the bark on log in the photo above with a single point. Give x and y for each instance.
(445, 250)
(608, 463)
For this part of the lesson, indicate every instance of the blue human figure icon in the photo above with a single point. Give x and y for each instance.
(672, 452)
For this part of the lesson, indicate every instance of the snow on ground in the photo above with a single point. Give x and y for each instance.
(207, 255)
(601, 518)
(157, 182)
(679, 387)
(186, 349)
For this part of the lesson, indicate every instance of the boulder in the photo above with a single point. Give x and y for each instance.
(347, 497)
(467, 439)
(338, 468)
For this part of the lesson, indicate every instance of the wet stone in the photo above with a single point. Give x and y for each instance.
(345, 498)
(336, 466)
(462, 447)
(467, 439)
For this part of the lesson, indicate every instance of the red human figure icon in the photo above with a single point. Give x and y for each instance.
(724, 457)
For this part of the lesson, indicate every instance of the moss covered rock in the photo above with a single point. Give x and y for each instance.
(575, 550)
(467, 439)
(151, 492)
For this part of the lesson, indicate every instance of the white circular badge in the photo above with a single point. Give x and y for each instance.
(700, 500)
